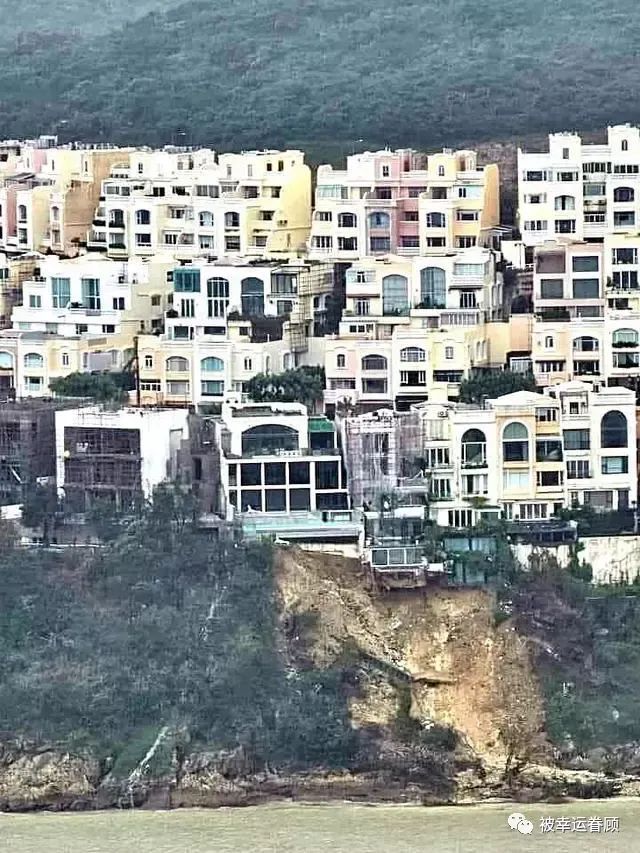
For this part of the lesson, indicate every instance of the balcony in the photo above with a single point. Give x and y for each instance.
(116, 223)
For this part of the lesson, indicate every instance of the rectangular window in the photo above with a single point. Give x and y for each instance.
(91, 293)
(549, 450)
(515, 481)
(212, 388)
(615, 465)
(624, 219)
(578, 469)
(548, 479)
(585, 263)
(586, 288)
(380, 244)
(35, 300)
(577, 439)
(118, 303)
(60, 292)
(143, 239)
(625, 256)
(551, 288)
(186, 281)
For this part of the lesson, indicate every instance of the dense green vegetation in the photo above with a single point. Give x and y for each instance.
(331, 75)
(101, 387)
(487, 386)
(163, 627)
(300, 385)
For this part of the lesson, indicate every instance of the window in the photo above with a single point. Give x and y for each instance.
(33, 383)
(412, 354)
(515, 481)
(625, 338)
(383, 193)
(232, 219)
(465, 242)
(395, 295)
(284, 284)
(436, 220)
(148, 362)
(548, 342)
(91, 293)
(347, 220)
(340, 360)
(625, 256)
(565, 226)
(624, 194)
(586, 344)
(348, 244)
(551, 288)
(143, 217)
(613, 430)
(363, 307)
(441, 171)
(252, 296)
(474, 449)
(565, 153)
(177, 364)
(323, 215)
(577, 439)
(64, 359)
(187, 308)
(33, 360)
(385, 171)
(143, 239)
(515, 443)
(624, 145)
(374, 386)
(565, 202)
(410, 216)
(211, 388)
(624, 218)
(379, 220)
(206, 219)
(585, 263)
(448, 353)
(615, 465)
(60, 292)
(586, 288)
(186, 281)
(625, 279)
(35, 300)
(546, 416)
(433, 288)
(374, 362)
(217, 297)
(211, 364)
(536, 225)
(548, 479)
(108, 329)
(413, 378)
(118, 303)
(549, 450)
(578, 469)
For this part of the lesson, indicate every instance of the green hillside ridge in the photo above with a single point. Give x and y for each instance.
(326, 73)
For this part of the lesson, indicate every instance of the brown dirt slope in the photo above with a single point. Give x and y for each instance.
(471, 675)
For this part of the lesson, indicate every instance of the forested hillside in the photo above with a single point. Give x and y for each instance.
(324, 74)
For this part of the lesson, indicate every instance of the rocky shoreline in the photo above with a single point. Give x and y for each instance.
(57, 781)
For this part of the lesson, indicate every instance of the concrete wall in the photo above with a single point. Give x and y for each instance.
(614, 558)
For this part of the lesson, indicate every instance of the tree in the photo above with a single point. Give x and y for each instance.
(488, 386)
(300, 385)
(102, 387)
(39, 507)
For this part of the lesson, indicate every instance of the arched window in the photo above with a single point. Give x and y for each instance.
(6, 361)
(565, 202)
(211, 364)
(252, 296)
(22, 213)
(436, 220)
(268, 438)
(515, 443)
(55, 214)
(412, 354)
(341, 360)
(625, 145)
(474, 448)
(625, 338)
(395, 294)
(205, 218)
(347, 220)
(232, 219)
(433, 288)
(374, 362)
(624, 194)
(378, 219)
(143, 217)
(116, 218)
(613, 430)
(33, 359)
(586, 344)
(217, 297)
(177, 364)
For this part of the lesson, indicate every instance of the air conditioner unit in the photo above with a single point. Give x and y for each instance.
(443, 414)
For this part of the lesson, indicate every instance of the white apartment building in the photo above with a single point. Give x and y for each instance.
(274, 458)
(118, 456)
(587, 311)
(524, 456)
(580, 190)
(403, 202)
(411, 325)
(91, 295)
(197, 203)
